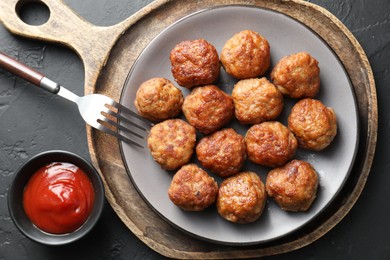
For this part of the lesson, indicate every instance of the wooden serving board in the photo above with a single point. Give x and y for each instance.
(108, 54)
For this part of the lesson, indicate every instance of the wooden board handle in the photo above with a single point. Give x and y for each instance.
(92, 43)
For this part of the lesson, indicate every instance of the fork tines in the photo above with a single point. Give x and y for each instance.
(124, 124)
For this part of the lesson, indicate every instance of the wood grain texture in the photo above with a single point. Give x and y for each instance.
(109, 52)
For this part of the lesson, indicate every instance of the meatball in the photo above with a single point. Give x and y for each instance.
(192, 189)
(208, 108)
(313, 124)
(256, 100)
(223, 152)
(241, 198)
(172, 143)
(246, 55)
(293, 186)
(297, 75)
(158, 99)
(195, 63)
(270, 144)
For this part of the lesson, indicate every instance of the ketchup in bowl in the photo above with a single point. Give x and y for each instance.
(58, 198)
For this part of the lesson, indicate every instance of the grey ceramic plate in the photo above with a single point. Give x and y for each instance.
(286, 36)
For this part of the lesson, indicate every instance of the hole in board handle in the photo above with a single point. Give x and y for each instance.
(33, 12)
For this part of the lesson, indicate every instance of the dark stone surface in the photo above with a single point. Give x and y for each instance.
(33, 121)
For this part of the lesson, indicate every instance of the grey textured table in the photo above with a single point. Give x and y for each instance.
(33, 121)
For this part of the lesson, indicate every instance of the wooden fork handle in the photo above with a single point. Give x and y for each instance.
(25, 72)
(19, 69)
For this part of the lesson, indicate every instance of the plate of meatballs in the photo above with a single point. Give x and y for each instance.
(255, 127)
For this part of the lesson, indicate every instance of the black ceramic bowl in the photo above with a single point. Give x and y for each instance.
(15, 197)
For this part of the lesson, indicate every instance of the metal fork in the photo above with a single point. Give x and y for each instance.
(99, 111)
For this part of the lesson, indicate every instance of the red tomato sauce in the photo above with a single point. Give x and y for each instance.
(58, 198)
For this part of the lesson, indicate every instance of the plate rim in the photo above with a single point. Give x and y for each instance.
(356, 132)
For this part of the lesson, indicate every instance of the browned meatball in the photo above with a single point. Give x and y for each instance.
(192, 189)
(313, 124)
(208, 108)
(297, 75)
(223, 152)
(246, 55)
(158, 99)
(293, 186)
(270, 144)
(172, 143)
(256, 100)
(195, 63)
(241, 198)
